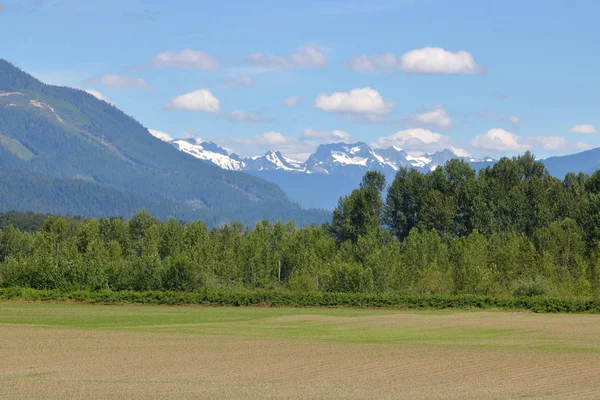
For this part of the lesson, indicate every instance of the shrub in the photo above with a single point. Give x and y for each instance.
(349, 277)
(529, 287)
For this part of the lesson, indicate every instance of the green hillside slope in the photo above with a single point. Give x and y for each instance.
(78, 144)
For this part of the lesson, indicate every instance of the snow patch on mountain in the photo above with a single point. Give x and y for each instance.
(274, 160)
(203, 151)
(329, 159)
(419, 162)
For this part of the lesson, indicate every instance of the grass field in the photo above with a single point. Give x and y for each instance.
(158, 352)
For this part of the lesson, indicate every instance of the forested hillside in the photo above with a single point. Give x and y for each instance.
(77, 154)
(512, 230)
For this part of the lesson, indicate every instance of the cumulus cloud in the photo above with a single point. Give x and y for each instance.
(271, 138)
(555, 144)
(198, 100)
(499, 140)
(119, 81)
(436, 119)
(188, 59)
(322, 137)
(160, 135)
(415, 140)
(247, 118)
(460, 152)
(428, 60)
(99, 96)
(297, 148)
(435, 60)
(499, 96)
(366, 101)
(584, 129)
(307, 57)
(291, 101)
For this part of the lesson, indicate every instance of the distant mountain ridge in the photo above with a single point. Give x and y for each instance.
(334, 169)
(73, 144)
(345, 159)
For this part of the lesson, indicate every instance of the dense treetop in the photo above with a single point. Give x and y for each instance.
(510, 230)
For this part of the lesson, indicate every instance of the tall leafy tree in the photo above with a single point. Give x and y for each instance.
(361, 211)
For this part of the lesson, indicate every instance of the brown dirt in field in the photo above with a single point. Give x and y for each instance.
(46, 363)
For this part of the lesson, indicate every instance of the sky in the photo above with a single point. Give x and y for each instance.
(479, 77)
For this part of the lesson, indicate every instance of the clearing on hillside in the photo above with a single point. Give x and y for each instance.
(155, 352)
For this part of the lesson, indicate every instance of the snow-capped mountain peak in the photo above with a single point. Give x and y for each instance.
(274, 160)
(210, 152)
(346, 159)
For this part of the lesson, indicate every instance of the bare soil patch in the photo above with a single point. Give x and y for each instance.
(48, 363)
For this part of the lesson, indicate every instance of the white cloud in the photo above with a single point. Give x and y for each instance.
(373, 64)
(499, 95)
(551, 143)
(188, 59)
(160, 135)
(437, 118)
(513, 120)
(297, 148)
(322, 137)
(435, 60)
(460, 152)
(556, 144)
(270, 140)
(273, 139)
(248, 118)
(365, 101)
(582, 146)
(291, 101)
(428, 60)
(198, 100)
(584, 129)
(99, 96)
(307, 57)
(415, 140)
(119, 81)
(499, 140)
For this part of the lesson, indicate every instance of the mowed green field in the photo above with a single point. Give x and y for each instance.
(158, 352)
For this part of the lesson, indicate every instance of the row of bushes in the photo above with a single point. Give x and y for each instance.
(277, 298)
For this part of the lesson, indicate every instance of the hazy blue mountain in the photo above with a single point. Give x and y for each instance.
(332, 171)
(66, 141)
(586, 161)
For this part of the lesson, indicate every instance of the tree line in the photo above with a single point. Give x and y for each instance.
(508, 230)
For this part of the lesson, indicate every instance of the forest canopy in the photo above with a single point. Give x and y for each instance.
(509, 230)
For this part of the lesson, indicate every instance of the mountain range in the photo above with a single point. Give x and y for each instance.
(329, 159)
(334, 169)
(63, 150)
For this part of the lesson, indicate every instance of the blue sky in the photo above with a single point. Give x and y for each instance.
(481, 77)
